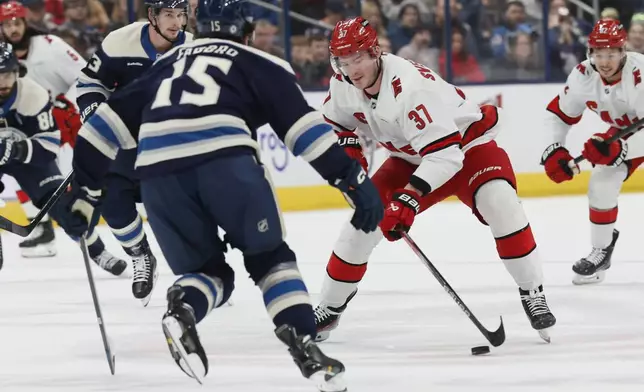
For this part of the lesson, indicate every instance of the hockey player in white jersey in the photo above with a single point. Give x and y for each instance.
(608, 83)
(440, 144)
(54, 65)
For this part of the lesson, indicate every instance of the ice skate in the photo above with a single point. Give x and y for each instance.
(41, 242)
(538, 312)
(145, 273)
(110, 263)
(592, 268)
(327, 373)
(179, 327)
(327, 318)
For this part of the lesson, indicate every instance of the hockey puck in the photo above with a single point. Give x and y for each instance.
(480, 350)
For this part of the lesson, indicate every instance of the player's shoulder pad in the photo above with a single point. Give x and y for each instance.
(632, 72)
(31, 98)
(403, 78)
(125, 42)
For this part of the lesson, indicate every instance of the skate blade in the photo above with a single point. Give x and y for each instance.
(545, 334)
(146, 300)
(580, 280)
(325, 381)
(190, 363)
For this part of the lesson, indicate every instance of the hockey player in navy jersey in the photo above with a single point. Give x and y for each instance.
(29, 138)
(124, 55)
(193, 119)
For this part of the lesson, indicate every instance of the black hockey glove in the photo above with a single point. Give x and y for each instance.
(363, 197)
(12, 151)
(78, 210)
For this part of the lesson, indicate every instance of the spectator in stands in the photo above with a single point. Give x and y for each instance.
(385, 44)
(609, 13)
(372, 13)
(579, 26)
(80, 21)
(566, 44)
(300, 54)
(418, 49)
(438, 26)
(265, 37)
(514, 19)
(521, 62)
(334, 11)
(465, 68)
(318, 70)
(263, 13)
(635, 41)
(400, 31)
(38, 15)
(391, 8)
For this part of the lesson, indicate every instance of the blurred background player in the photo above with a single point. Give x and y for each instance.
(440, 145)
(609, 83)
(124, 55)
(29, 138)
(195, 115)
(54, 65)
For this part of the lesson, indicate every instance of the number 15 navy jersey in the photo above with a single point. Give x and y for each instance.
(197, 101)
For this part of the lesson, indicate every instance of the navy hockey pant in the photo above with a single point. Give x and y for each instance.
(38, 182)
(185, 210)
(122, 192)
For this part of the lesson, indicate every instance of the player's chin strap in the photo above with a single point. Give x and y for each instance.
(379, 67)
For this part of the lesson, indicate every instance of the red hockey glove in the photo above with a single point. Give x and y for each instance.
(399, 214)
(67, 119)
(351, 144)
(556, 160)
(598, 152)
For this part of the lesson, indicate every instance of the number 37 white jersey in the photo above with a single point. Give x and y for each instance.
(417, 116)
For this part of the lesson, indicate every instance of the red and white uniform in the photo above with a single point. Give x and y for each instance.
(619, 105)
(439, 142)
(53, 64)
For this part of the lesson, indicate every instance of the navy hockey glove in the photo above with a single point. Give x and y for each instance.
(79, 210)
(12, 151)
(363, 196)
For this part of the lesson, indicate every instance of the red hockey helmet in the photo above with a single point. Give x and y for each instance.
(607, 34)
(352, 35)
(11, 10)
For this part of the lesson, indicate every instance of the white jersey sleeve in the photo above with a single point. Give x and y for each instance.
(565, 109)
(69, 64)
(428, 124)
(636, 141)
(333, 110)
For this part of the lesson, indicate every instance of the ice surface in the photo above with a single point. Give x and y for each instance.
(401, 333)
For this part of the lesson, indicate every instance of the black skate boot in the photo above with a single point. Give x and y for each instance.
(328, 317)
(179, 327)
(327, 373)
(145, 274)
(41, 243)
(536, 308)
(110, 263)
(592, 268)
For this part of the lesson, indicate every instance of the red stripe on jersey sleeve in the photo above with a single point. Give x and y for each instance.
(335, 124)
(442, 143)
(555, 109)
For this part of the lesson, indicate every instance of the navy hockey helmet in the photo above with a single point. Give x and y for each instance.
(8, 60)
(224, 17)
(160, 4)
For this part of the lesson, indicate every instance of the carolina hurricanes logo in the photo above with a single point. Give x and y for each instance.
(393, 207)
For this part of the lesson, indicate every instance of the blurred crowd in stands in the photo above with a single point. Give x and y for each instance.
(491, 40)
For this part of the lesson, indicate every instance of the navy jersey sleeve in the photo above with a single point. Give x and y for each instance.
(43, 146)
(302, 128)
(113, 126)
(96, 82)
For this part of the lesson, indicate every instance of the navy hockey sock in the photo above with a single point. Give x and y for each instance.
(95, 245)
(202, 292)
(131, 234)
(287, 300)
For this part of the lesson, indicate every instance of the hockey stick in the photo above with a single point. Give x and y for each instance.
(111, 358)
(495, 338)
(24, 231)
(619, 134)
(1, 254)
